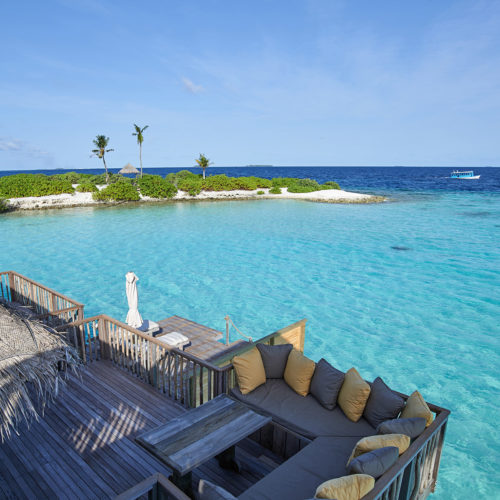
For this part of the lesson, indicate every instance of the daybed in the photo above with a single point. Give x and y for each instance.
(328, 435)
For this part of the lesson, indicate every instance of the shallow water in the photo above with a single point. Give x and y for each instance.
(408, 290)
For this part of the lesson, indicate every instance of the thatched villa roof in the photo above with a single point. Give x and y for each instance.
(31, 358)
(128, 169)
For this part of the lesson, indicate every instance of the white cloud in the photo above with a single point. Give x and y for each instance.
(191, 87)
(22, 147)
(10, 145)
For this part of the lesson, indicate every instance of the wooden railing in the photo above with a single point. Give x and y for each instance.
(156, 487)
(50, 306)
(183, 377)
(414, 475)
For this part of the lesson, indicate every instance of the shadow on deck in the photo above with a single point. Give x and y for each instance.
(83, 446)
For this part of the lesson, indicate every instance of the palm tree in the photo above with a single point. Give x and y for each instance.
(101, 143)
(203, 162)
(140, 138)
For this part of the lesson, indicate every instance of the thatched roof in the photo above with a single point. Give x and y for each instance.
(128, 169)
(31, 358)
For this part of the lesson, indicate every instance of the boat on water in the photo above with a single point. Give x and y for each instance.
(465, 174)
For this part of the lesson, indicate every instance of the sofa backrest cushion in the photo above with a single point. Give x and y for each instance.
(274, 358)
(383, 404)
(326, 384)
(375, 463)
(353, 395)
(299, 371)
(412, 427)
(249, 370)
(371, 443)
(417, 407)
(351, 487)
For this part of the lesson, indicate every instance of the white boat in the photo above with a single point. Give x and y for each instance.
(465, 174)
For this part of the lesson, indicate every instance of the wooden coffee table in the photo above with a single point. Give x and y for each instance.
(211, 430)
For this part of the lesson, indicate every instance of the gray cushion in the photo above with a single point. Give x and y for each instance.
(302, 414)
(383, 404)
(374, 463)
(274, 358)
(325, 458)
(412, 427)
(326, 384)
(210, 491)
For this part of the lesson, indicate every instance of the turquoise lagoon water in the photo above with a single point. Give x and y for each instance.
(426, 317)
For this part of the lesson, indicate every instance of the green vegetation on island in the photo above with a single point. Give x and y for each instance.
(120, 188)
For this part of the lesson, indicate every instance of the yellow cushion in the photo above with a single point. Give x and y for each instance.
(298, 372)
(370, 443)
(417, 407)
(351, 487)
(353, 395)
(249, 370)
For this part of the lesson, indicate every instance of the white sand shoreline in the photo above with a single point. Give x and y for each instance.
(85, 199)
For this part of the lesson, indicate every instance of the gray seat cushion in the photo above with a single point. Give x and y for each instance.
(326, 384)
(325, 458)
(303, 415)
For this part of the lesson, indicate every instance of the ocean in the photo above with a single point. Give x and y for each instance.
(407, 290)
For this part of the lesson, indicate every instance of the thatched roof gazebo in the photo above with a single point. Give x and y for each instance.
(34, 360)
(128, 169)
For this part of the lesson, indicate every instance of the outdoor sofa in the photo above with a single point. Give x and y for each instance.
(317, 404)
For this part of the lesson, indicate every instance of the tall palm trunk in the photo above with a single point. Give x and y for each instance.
(140, 157)
(106, 169)
(203, 174)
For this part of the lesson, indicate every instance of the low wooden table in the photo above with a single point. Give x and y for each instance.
(211, 430)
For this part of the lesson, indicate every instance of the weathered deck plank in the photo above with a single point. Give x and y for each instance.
(84, 446)
(204, 340)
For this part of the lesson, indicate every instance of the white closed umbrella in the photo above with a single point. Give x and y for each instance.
(133, 317)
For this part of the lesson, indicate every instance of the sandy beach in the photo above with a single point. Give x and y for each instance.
(85, 199)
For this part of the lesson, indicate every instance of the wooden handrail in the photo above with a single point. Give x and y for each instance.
(144, 336)
(60, 295)
(58, 311)
(409, 455)
(149, 484)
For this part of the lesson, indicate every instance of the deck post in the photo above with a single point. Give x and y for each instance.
(12, 287)
(104, 339)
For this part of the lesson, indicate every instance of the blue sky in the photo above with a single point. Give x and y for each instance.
(250, 82)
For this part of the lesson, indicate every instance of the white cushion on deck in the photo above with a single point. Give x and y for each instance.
(149, 327)
(174, 339)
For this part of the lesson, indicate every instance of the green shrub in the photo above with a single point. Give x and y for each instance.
(156, 187)
(191, 185)
(330, 185)
(22, 185)
(121, 190)
(86, 187)
(219, 183)
(282, 182)
(175, 177)
(250, 183)
(261, 192)
(73, 177)
(275, 190)
(3, 206)
(303, 186)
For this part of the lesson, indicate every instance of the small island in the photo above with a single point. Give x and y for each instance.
(36, 191)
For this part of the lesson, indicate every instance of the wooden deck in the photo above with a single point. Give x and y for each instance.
(204, 340)
(83, 447)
